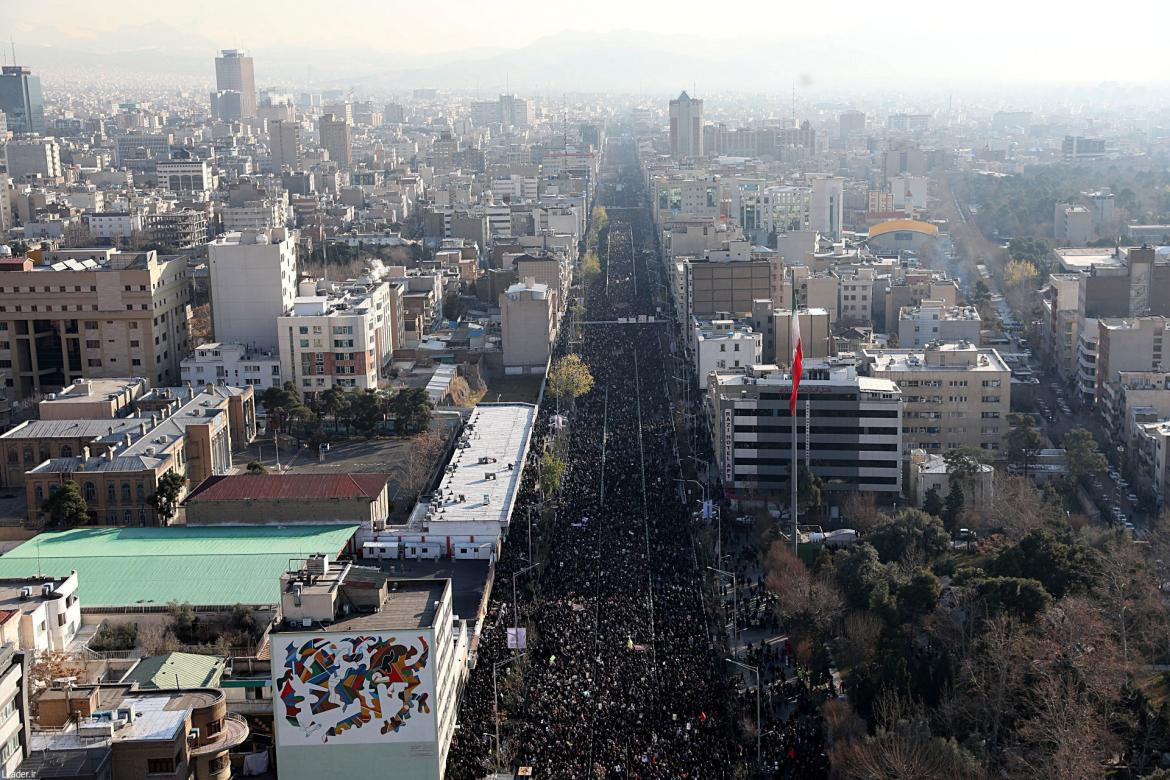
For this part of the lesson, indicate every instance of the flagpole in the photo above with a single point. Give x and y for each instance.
(792, 478)
(792, 406)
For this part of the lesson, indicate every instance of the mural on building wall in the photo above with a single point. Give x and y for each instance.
(355, 689)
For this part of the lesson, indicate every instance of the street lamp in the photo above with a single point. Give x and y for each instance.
(759, 724)
(515, 608)
(734, 608)
(496, 698)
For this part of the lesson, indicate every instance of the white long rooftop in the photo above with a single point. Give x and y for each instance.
(481, 480)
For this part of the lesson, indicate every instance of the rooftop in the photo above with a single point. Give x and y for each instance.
(940, 312)
(957, 356)
(479, 484)
(176, 670)
(102, 430)
(220, 565)
(1084, 258)
(290, 487)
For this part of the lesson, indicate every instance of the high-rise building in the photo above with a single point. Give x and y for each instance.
(827, 209)
(686, 127)
(33, 158)
(253, 281)
(336, 136)
(227, 104)
(234, 72)
(852, 124)
(284, 139)
(21, 99)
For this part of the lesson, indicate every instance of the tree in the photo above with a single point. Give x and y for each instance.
(808, 489)
(165, 498)
(590, 267)
(953, 508)
(411, 408)
(918, 596)
(569, 378)
(552, 469)
(1061, 564)
(1081, 450)
(283, 404)
(860, 511)
(366, 411)
(1016, 596)
(453, 306)
(932, 502)
(911, 532)
(65, 506)
(1020, 274)
(256, 467)
(1023, 439)
(419, 464)
(331, 402)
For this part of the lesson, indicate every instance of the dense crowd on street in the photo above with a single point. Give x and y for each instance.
(621, 676)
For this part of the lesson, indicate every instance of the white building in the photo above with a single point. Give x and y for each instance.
(253, 281)
(930, 471)
(39, 613)
(1072, 225)
(231, 364)
(721, 345)
(470, 512)
(340, 336)
(826, 212)
(937, 321)
(184, 175)
(686, 127)
(397, 659)
(114, 226)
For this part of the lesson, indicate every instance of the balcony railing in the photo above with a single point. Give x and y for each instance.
(234, 732)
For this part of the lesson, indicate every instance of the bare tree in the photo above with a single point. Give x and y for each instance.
(860, 511)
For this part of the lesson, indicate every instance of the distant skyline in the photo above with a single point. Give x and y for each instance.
(763, 45)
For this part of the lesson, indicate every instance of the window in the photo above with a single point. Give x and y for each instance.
(126, 492)
(90, 491)
(303, 330)
(10, 747)
(93, 344)
(111, 493)
(40, 494)
(66, 451)
(160, 766)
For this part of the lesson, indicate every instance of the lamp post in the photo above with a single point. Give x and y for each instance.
(496, 698)
(515, 607)
(734, 609)
(759, 725)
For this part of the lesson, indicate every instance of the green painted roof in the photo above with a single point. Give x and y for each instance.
(177, 670)
(119, 567)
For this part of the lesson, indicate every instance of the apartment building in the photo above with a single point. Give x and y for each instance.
(37, 615)
(713, 289)
(232, 364)
(724, 345)
(91, 313)
(253, 281)
(936, 321)
(854, 431)
(954, 395)
(396, 642)
(911, 289)
(1130, 344)
(33, 159)
(337, 335)
(529, 319)
(15, 728)
(336, 137)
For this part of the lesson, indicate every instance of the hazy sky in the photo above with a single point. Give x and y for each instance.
(1025, 41)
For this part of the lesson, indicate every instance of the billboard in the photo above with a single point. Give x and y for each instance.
(353, 688)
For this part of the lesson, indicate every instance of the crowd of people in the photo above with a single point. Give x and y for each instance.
(621, 676)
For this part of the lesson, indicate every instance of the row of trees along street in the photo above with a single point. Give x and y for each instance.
(339, 411)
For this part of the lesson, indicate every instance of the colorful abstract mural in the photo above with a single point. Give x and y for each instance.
(354, 689)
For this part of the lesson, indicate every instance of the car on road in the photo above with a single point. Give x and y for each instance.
(1131, 498)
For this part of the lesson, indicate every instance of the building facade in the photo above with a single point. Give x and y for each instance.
(853, 432)
(253, 281)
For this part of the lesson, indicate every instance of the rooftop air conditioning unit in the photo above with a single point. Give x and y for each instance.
(25, 593)
(317, 564)
(47, 589)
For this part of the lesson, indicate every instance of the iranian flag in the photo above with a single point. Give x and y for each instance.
(797, 353)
